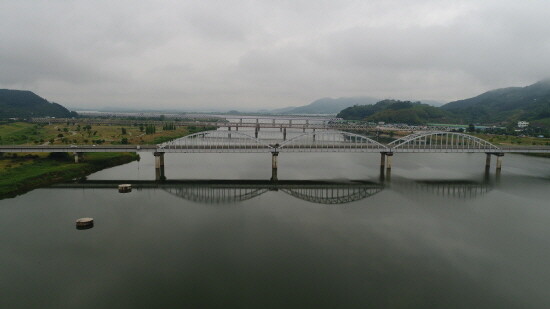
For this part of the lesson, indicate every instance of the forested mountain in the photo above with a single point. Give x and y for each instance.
(501, 106)
(506, 105)
(25, 104)
(396, 111)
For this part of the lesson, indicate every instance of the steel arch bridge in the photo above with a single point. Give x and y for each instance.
(235, 141)
(331, 141)
(441, 141)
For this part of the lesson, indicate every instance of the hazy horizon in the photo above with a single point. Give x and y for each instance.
(205, 55)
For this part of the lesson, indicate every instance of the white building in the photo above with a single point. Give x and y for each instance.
(523, 124)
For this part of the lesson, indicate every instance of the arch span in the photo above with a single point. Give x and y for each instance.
(331, 141)
(216, 141)
(442, 141)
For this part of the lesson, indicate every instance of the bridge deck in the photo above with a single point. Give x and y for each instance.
(247, 148)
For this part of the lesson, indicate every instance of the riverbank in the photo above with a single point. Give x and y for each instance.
(22, 174)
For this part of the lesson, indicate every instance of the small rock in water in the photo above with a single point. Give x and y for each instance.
(84, 223)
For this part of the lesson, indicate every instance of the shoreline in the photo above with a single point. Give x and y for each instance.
(46, 171)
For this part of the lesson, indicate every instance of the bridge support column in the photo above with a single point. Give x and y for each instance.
(307, 122)
(77, 157)
(274, 166)
(273, 122)
(290, 122)
(284, 134)
(237, 128)
(499, 161)
(159, 166)
(241, 121)
(389, 157)
(256, 132)
(488, 161)
(382, 160)
(314, 135)
(229, 134)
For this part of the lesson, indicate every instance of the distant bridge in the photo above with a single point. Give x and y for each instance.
(245, 122)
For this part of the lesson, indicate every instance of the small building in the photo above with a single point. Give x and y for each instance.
(523, 124)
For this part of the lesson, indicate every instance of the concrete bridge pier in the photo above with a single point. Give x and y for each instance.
(487, 160)
(382, 160)
(307, 122)
(237, 128)
(229, 134)
(256, 132)
(159, 166)
(499, 161)
(314, 135)
(274, 166)
(241, 121)
(389, 157)
(77, 157)
(284, 134)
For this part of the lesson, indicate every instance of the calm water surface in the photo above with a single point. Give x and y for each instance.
(439, 234)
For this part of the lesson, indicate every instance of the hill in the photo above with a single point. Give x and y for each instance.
(395, 111)
(25, 104)
(329, 105)
(506, 105)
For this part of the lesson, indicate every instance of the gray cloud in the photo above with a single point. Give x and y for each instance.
(267, 54)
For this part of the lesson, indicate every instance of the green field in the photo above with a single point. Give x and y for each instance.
(508, 140)
(23, 172)
(80, 134)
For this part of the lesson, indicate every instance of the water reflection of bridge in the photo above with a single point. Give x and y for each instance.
(233, 191)
(314, 191)
(459, 189)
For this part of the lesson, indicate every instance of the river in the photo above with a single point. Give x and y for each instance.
(438, 233)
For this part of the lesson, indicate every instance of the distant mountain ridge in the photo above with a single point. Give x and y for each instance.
(395, 111)
(510, 104)
(26, 104)
(503, 106)
(328, 105)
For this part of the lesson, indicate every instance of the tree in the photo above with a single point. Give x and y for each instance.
(124, 140)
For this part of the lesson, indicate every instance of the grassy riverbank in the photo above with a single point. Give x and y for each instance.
(24, 173)
(21, 173)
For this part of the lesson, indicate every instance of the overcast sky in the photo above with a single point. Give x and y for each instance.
(268, 54)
